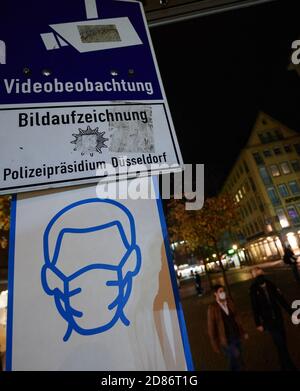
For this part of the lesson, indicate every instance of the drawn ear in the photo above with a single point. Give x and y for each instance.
(133, 262)
(51, 280)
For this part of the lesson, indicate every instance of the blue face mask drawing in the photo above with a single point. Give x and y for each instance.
(91, 291)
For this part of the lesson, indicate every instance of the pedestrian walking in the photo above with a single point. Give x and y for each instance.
(267, 300)
(290, 258)
(225, 329)
(198, 284)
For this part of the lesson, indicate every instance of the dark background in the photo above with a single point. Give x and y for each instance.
(219, 71)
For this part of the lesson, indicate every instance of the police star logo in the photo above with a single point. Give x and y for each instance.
(89, 141)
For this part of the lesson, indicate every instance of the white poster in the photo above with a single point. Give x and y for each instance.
(91, 287)
(63, 144)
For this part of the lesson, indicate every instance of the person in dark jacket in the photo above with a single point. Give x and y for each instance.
(225, 329)
(198, 284)
(291, 259)
(267, 300)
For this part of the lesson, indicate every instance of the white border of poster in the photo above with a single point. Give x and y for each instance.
(172, 276)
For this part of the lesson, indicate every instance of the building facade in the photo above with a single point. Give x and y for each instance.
(265, 183)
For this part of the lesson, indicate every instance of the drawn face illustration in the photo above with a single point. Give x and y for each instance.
(91, 291)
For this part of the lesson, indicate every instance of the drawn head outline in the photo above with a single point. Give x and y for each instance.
(87, 220)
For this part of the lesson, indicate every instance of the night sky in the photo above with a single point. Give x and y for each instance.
(219, 71)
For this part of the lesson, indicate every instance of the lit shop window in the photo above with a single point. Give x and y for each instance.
(291, 237)
(282, 218)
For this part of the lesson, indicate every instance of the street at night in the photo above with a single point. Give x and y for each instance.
(259, 351)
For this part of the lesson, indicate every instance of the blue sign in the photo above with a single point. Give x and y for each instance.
(54, 53)
(81, 94)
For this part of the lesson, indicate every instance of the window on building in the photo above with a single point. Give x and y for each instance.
(241, 235)
(258, 159)
(270, 137)
(296, 165)
(241, 213)
(253, 203)
(282, 218)
(248, 230)
(256, 226)
(294, 216)
(252, 184)
(297, 148)
(237, 198)
(278, 134)
(285, 168)
(274, 170)
(247, 187)
(263, 138)
(273, 196)
(240, 194)
(261, 224)
(241, 169)
(267, 153)
(245, 166)
(260, 204)
(288, 148)
(283, 190)
(294, 187)
(277, 151)
(265, 176)
(249, 207)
